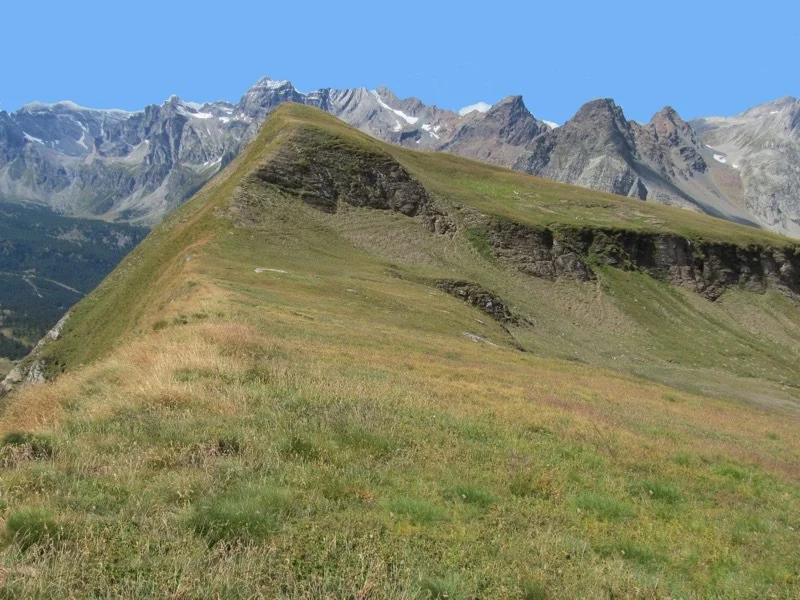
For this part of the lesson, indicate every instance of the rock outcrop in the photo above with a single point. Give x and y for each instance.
(479, 297)
(32, 369)
(708, 268)
(325, 172)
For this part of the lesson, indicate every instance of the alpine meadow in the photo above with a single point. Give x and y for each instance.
(350, 369)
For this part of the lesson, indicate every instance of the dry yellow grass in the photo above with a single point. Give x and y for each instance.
(199, 371)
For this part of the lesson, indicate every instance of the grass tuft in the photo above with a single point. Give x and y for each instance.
(604, 507)
(448, 588)
(299, 447)
(471, 494)
(246, 514)
(534, 590)
(39, 446)
(29, 526)
(636, 553)
(658, 490)
(229, 446)
(525, 485)
(731, 472)
(363, 440)
(417, 511)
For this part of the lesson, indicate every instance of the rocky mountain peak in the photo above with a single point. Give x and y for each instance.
(669, 125)
(669, 145)
(499, 135)
(600, 125)
(271, 84)
(514, 123)
(666, 114)
(600, 110)
(411, 105)
(510, 104)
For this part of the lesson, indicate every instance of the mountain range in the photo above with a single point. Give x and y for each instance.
(138, 166)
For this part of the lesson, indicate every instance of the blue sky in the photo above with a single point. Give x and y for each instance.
(701, 57)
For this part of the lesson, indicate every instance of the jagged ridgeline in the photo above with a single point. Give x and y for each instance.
(344, 368)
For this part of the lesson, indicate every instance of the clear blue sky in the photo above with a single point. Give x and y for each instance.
(701, 57)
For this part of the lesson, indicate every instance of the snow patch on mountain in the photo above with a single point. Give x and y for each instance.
(30, 138)
(197, 115)
(430, 129)
(399, 113)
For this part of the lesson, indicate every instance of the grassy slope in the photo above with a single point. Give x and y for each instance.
(5, 366)
(330, 430)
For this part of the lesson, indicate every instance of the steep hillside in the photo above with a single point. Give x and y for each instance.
(348, 369)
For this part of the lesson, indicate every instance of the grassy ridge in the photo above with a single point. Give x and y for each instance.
(291, 410)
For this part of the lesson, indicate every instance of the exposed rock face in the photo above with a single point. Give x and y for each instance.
(497, 136)
(324, 173)
(662, 161)
(761, 148)
(595, 149)
(132, 166)
(671, 145)
(479, 297)
(32, 369)
(539, 252)
(705, 267)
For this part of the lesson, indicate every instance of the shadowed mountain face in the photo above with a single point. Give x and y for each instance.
(138, 166)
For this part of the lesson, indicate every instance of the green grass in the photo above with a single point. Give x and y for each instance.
(604, 507)
(415, 510)
(471, 494)
(5, 366)
(660, 491)
(246, 514)
(326, 429)
(28, 527)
